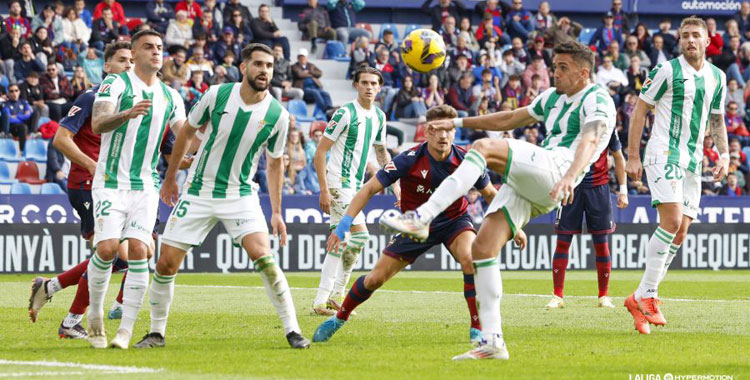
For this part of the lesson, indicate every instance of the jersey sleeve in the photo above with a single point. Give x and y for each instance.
(536, 108)
(200, 113)
(111, 89)
(598, 106)
(276, 141)
(178, 112)
(614, 142)
(338, 124)
(656, 84)
(720, 95)
(380, 138)
(79, 112)
(396, 169)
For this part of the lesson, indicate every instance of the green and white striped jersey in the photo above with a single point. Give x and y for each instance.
(353, 130)
(128, 155)
(235, 137)
(565, 116)
(682, 98)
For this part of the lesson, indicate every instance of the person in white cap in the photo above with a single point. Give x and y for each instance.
(307, 77)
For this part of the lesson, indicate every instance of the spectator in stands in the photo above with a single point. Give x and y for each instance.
(731, 188)
(537, 67)
(118, 14)
(519, 53)
(475, 209)
(731, 29)
(75, 32)
(314, 22)
(208, 28)
(83, 13)
(19, 112)
(444, 9)
(80, 82)
(179, 31)
(620, 61)
(316, 133)
(197, 86)
(449, 32)
(220, 75)
(388, 42)
(240, 28)
(344, 19)
(10, 50)
(636, 74)
(509, 65)
(486, 62)
(191, 8)
(55, 163)
(433, 95)
(58, 93)
(457, 70)
(227, 44)
(47, 19)
(92, 61)
(105, 31)
(665, 30)
(735, 124)
(531, 135)
(709, 151)
(209, 6)
(708, 185)
(281, 83)
(495, 8)
(563, 31)
(621, 21)
(538, 50)
(544, 19)
(735, 94)
(175, 71)
(607, 75)
(738, 168)
(361, 55)
(465, 29)
(391, 78)
(743, 19)
(199, 62)
(519, 21)
(631, 49)
(307, 77)
(201, 45)
(232, 6)
(532, 90)
(728, 58)
(298, 161)
(289, 176)
(644, 37)
(461, 96)
(27, 63)
(605, 34)
(266, 31)
(31, 91)
(16, 19)
(42, 46)
(409, 103)
(489, 32)
(716, 42)
(659, 52)
(158, 15)
(512, 93)
(232, 72)
(463, 49)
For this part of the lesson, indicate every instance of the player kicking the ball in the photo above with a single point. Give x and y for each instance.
(420, 170)
(354, 128)
(132, 111)
(580, 117)
(686, 93)
(242, 122)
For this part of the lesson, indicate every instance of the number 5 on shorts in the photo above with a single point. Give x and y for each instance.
(181, 209)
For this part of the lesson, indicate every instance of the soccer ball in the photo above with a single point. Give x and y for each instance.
(423, 50)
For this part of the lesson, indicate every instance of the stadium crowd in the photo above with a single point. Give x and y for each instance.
(499, 63)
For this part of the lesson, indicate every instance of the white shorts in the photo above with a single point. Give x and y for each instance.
(670, 183)
(124, 214)
(340, 200)
(530, 175)
(194, 217)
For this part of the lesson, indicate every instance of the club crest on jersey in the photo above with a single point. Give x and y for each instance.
(424, 173)
(389, 167)
(73, 110)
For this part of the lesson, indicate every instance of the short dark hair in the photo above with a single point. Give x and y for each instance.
(247, 52)
(581, 54)
(13, 85)
(441, 112)
(143, 33)
(112, 49)
(368, 70)
(387, 31)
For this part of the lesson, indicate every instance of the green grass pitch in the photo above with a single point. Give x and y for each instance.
(224, 327)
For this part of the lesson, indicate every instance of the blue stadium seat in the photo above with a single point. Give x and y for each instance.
(20, 188)
(36, 150)
(392, 27)
(410, 28)
(42, 120)
(336, 51)
(5, 178)
(8, 151)
(4, 83)
(746, 150)
(51, 188)
(298, 108)
(586, 34)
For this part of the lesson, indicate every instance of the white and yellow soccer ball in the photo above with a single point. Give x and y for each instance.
(423, 50)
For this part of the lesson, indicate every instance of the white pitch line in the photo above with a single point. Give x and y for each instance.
(448, 292)
(95, 368)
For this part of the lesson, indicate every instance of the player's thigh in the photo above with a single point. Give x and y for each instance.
(493, 234)
(534, 171)
(110, 214)
(494, 151)
(242, 216)
(340, 200)
(142, 209)
(385, 268)
(598, 205)
(570, 217)
(190, 221)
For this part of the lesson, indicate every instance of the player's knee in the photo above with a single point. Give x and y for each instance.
(107, 249)
(137, 251)
(481, 250)
(671, 223)
(166, 268)
(482, 145)
(374, 281)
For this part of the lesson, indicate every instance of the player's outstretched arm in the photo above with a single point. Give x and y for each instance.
(275, 177)
(591, 133)
(719, 135)
(169, 189)
(319, 162)
(498, 121)
(634, 167)
(372, 187)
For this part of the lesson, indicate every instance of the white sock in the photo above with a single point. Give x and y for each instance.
(53, 286)
(132, 296)
(99, 271)
(349, 257)
(72, 320)
(278, 292)
(161, 293)
(456, 185)
(331, 265)
(672, 254)
(656, 256)
(489, 287)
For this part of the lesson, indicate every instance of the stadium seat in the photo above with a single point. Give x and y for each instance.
(586, 34)
(36, 149)
(410, 28)
(336, 51)
(8, 151)
(4, 83)
(28, 172)
(391, 27)
(298, 108)
(366, 26)
(51, 188)
(5, 178)
(19, 188)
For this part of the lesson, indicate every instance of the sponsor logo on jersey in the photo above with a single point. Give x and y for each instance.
(412, 153)
(424, 173)
(73, 110)
(87, 205)
(389, 167)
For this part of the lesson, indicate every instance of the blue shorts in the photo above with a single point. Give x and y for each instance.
(84, 205)
(594, 203)
(405, 249)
